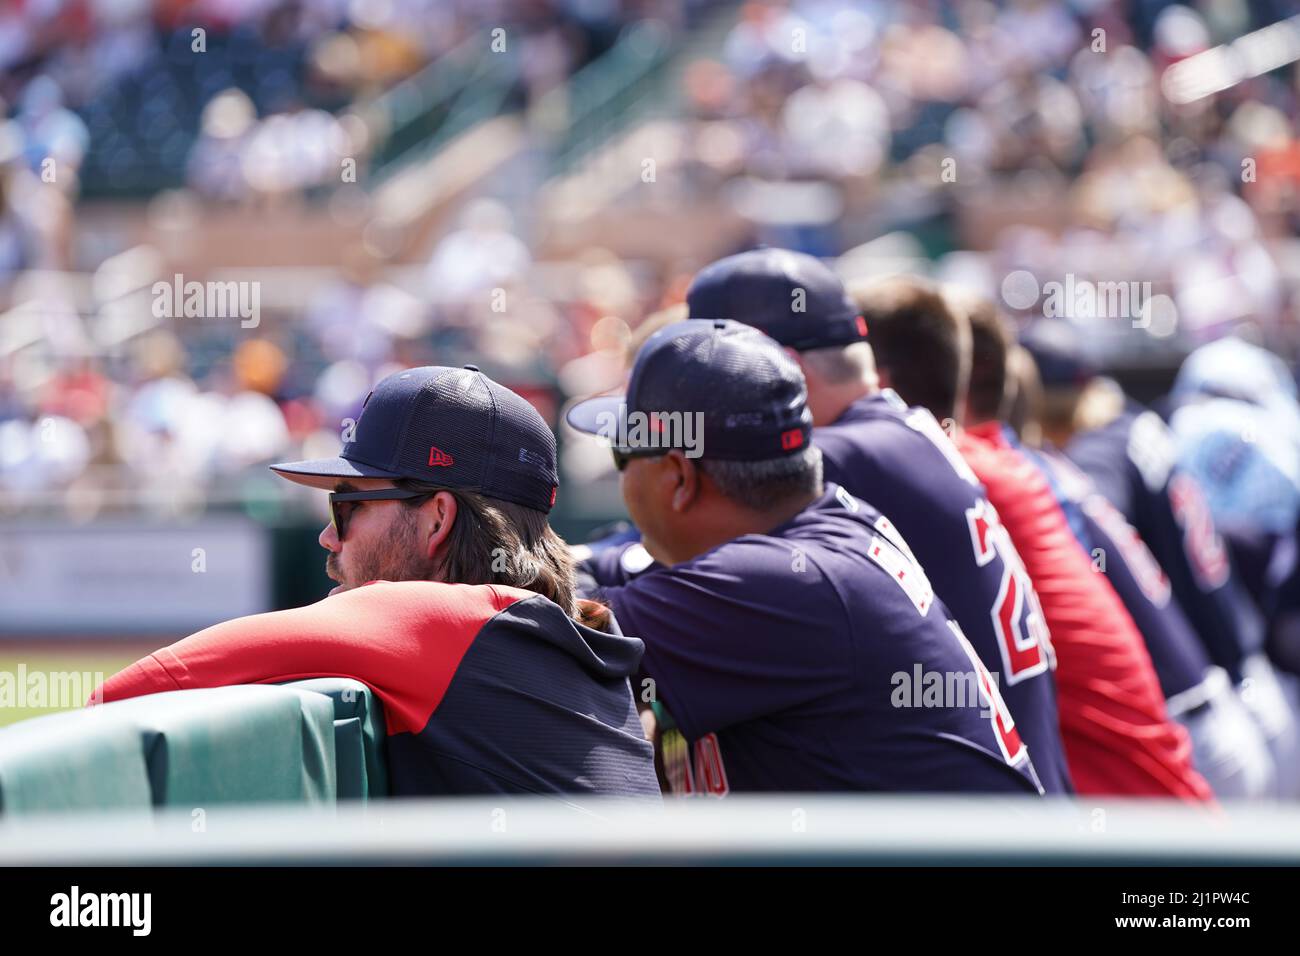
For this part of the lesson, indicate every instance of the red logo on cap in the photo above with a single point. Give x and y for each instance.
(792, 439)
(862, 326)
(439, 458)
(554, 489)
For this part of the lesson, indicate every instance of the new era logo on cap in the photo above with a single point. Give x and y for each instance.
(439, 458)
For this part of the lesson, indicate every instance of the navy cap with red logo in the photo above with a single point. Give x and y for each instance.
(453, 427)
(748, 394)
(790, 296)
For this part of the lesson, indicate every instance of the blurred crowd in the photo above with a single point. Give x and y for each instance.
(1035, 133)
(1011, 146)
(235, 101)
(169, 422)
(246, 98)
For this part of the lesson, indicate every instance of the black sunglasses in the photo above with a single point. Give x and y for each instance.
(623, 455)
(342, 503)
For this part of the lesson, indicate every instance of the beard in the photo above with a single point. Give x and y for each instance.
(395, 555)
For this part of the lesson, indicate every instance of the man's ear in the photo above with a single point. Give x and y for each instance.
(437, 518)
(684, 479)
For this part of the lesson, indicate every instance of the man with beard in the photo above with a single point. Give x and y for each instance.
(455, 604)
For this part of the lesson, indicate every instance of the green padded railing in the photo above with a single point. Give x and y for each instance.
(72, 761)
(247, 744)
(359, 733)
(191, 748)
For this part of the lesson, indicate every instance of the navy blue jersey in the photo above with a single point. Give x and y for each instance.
(898, 459)
(817, 658)
(614, 558)
(1257, 555)
(1132, 462)
(1117, 550)
(1284, 606)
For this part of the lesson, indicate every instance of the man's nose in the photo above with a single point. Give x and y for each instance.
(329, 539)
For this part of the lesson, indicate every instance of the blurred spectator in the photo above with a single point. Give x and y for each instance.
(1022, 144)
(482, 255)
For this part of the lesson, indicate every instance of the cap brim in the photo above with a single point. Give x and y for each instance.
(599, 415)
(327, 472)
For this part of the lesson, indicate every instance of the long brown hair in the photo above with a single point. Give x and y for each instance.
(500, 542)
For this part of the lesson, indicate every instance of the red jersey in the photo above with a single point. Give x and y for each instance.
(1118, 738)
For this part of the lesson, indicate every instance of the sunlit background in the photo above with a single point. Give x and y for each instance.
(518, 185)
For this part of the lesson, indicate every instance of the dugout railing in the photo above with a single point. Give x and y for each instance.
(313, 742)
(294, 773)
(736, 830)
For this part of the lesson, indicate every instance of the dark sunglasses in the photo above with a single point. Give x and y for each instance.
(623, 455)
(343, 503)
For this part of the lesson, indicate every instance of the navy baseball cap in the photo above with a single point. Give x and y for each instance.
(453, 427)
(1057, 348)
(790, 296)
(746, 394)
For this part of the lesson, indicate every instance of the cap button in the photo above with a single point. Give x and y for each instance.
(471, 368)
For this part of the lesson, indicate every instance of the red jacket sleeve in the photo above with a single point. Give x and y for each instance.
(403, 639)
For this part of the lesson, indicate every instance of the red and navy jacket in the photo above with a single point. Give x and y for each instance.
(486, 689)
